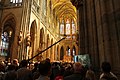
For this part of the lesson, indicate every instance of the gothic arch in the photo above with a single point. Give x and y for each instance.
(8, 34)
(73, 50)
(8, 16)
(68, 51)
(42, 39)
(61, 53)
(33, 30)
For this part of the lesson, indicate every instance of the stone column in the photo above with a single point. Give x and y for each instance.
(1, 12)
(109, 33)
(26, 10)
(80, 23)
(113, 15)
(91, 33)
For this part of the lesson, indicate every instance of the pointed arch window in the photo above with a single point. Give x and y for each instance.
(68, 51)
(4, 44)
(62, 27)
(73, 27)
(67, 26)
(74, 51)
(15, 1)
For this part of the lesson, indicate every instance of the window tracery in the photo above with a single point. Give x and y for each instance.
(67, 27)
(4, 44)
(62, 27)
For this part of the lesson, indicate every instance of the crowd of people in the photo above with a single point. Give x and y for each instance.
(45, 70)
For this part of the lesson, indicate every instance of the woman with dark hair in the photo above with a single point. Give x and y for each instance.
(107, 74)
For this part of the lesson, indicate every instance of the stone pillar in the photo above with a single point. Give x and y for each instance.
(113, 12)
(91, 35)
(25, 23)
(80, 23)
(1, 12)
(108, 31)
(116, 12)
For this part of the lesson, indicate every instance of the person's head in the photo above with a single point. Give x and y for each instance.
(77, 67)
(47, 59)
(15, 62)
(44, 68)
(36, 65)
(24, 63)
(106, 67)
(11, 67)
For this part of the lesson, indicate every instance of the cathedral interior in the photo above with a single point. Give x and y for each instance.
(60, 30)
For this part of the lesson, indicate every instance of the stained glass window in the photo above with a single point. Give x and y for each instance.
(73, 27)
(4, 44)
(62, 27)
(74, 51)
(68, 51)
(67, 27)
(16, 1)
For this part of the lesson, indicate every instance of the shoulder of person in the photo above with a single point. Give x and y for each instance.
(109, 78)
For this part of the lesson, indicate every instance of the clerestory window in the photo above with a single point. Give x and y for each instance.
(16, 1)
(67, 27)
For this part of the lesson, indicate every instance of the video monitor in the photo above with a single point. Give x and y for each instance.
(84, 59)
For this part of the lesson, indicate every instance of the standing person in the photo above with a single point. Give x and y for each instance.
(45, 70)
(77, 75)
(16, 64)
(2, 71)
(107, 74)
(35, 71)
(11, 73)
(90, 75)
(23, 73)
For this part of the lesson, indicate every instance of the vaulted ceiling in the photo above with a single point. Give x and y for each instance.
(63, 7)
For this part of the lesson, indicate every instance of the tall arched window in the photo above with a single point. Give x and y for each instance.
(73, 27)
(4, 44)
(15, 1)
(73, 51)
(68, 51)
(67, 27)
(62, 27)
(6, 40)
